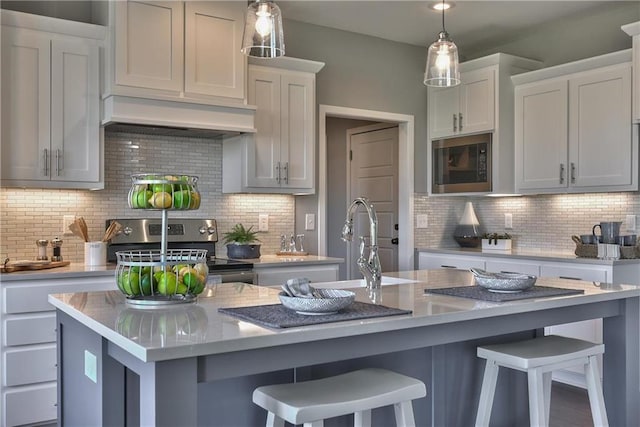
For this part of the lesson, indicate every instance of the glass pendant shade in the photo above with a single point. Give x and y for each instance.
(263, 35)
(442, 63)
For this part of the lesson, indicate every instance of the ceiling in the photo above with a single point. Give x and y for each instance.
(471, 23)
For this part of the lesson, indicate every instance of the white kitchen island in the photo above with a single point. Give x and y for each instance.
(190, 365)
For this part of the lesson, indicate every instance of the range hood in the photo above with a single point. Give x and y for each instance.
(176, 118)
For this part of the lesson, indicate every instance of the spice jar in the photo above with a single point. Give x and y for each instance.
(42, 249)
(56, 244)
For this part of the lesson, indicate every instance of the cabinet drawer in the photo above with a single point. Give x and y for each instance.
(30, 405)
(592, 274)
(28, 298)
(29, 366)
(278, 276)
(504, 266)
(32, 330)
(433, 261)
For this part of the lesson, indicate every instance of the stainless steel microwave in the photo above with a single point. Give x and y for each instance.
(461, 164)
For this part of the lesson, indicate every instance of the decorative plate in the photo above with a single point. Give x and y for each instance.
(503, 282)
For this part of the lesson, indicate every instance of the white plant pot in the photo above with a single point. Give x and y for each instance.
(501, 245)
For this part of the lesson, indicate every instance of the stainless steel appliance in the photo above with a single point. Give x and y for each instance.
(182, 233)
(461, 164)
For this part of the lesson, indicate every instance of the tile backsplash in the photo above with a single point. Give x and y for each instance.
(30, 214)
(543, 222)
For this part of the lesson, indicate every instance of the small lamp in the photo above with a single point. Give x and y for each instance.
(442, 61)
(263, 35)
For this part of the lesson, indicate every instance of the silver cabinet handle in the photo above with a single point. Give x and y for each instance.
(46, 162)
(286, 172)
(455, 122)
(561, 173)
(448, 266)
(573, 173)
(278, 171)
(569, 278)
(57, 162)
(460, 120)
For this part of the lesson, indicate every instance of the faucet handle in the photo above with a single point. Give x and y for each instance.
(362, 245)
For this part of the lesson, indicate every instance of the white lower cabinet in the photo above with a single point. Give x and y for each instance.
(276, 276)
(28, 345)
(428, 261)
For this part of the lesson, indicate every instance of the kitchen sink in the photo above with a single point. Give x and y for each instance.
(359, 283)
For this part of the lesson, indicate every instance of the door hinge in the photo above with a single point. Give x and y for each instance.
(394, 241)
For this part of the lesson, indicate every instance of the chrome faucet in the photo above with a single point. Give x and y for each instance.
(370, 268)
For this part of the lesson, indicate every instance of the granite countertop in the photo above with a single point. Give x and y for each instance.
(530, 254)
(199, 329)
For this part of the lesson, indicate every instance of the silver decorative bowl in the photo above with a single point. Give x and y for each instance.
(331, 301)
(503, 282)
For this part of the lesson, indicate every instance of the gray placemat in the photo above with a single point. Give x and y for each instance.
(476, 292)
(278, 316)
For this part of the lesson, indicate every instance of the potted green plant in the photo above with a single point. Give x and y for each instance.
(240, 242)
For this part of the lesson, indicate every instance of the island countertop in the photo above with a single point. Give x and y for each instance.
(108, 314)
(204, 354)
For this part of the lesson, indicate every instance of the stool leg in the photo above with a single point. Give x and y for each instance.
(362, 419)
(486, 393)
(404, 414)
(546, 380)
(537, 412)
(594, 387)
(274, 421)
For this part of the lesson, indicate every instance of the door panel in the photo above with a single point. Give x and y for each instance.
(374, 174)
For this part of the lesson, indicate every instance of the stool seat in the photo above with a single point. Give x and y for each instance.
(353, 392)
(538, 357)
(540, 351)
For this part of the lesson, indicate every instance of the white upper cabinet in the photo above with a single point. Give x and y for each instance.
(179, 50)
(149, 43)
(482, 103)
(280, 156)
(633, 30)
(573, 133)
(464, 109)
(51, 135)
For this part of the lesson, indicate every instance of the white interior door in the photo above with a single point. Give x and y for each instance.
(373, 172)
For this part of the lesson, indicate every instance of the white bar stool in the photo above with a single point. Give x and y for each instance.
(357, 392)
(538, 358)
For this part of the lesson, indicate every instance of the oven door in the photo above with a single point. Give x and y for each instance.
(462, 164)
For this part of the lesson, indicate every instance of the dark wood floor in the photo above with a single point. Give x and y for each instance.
(569, 406)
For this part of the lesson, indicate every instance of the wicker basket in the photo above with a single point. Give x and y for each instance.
(591, 251)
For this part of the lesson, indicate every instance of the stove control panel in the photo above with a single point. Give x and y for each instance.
(178, 230)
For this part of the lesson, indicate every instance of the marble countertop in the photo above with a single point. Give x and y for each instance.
(530, 254)
(198, 329)
(284, 260)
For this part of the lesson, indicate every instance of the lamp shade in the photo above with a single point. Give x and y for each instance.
(263, 35)
(442, 63)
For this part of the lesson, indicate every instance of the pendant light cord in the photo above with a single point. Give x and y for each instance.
(443, 30)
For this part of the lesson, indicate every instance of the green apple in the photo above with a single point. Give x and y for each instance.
(181, 199)
(167, 283)
(162, 188)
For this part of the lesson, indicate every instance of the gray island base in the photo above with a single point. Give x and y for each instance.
(192, 366)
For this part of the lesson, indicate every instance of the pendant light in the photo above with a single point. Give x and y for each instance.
(442, 61)
(263, 36)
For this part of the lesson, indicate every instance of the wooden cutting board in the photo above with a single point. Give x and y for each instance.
(31, 265)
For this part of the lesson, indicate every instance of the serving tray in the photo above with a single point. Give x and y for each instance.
(31, 265)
